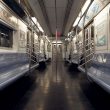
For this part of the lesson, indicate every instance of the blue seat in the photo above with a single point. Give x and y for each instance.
(100, 70)
(41, 57)
(12, 67)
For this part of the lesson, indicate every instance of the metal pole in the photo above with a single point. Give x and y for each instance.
(56, 36)
(83, 34)
(56, 55)
(39, 49)
(71, 49)
(77, 37)
(30, 46)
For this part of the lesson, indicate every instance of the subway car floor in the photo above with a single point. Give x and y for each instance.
(54, 88)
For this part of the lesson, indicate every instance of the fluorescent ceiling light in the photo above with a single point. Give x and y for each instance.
(76, 21)
(85, 6)
(39, 26)
(37, 23)
(34, 19)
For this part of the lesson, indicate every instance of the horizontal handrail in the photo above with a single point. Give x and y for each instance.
(85, 45)
(34, 61)
(33, 52)
(32, 48)
(87, 56)
(86, 40)
(92, 49)
(32, 55)
(28, 49)
(85, 62)
(33, 44)
(78, 56)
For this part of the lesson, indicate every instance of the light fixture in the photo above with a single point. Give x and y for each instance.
(34, 19)
(37, 23)
(76, 21)
(85, 6)
(39, 26)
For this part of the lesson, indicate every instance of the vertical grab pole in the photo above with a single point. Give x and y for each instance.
(83, 32)
(56, 36)
(71, 49)
(83, 23)
(30, 50)
(56, 54)
(65, 50)
(39, 49)
(77, 37)
(84, 43)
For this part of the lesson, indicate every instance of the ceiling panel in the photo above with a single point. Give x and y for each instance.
(60, 14)
(50, 7)
(61, 11)
(61, 3)
(60, 17)
(51, 13)
(51, 16)
(38, 14)
(49, 3)
(76, 7)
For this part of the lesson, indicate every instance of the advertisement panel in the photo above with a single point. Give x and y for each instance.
(94, 9)
(8, 17)
(101, 30)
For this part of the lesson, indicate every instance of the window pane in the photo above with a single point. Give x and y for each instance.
(6, 35)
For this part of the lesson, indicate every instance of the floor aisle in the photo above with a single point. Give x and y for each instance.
(54, 88)
(56, 91)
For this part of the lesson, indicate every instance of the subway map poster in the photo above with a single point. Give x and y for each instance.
(101, 30)
(101, 34)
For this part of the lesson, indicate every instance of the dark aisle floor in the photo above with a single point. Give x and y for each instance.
(54, 90)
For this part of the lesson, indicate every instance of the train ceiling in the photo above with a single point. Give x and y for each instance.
(66, 12)
(15, 7)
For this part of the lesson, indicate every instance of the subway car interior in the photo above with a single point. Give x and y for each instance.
(54, 54)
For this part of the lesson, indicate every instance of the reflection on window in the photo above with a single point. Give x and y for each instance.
(6, 35)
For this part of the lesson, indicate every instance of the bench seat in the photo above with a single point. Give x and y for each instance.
(12, 74)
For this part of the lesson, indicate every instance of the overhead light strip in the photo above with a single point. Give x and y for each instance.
(83, 11)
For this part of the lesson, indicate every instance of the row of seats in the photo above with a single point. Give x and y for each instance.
(99, 71)
(73, 59)
(14, 66)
